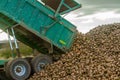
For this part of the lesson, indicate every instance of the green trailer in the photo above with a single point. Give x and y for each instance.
(38, 24)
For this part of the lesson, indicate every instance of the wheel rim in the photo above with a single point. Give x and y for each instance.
(19, 70)
(41, 65)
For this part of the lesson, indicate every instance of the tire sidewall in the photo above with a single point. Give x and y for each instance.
(15, 62)
(35, 61)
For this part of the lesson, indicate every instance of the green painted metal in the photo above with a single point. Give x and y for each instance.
(39, 19)
(2, 62)
(59, 7)
(62, 6)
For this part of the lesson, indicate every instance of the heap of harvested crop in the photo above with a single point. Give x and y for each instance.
(94, 56)
(105, 36)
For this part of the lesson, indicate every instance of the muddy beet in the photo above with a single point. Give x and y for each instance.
(93, 56)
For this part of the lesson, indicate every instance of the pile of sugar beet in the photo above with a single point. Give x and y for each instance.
(93, 56)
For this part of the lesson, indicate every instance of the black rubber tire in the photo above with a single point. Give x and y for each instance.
(18, 64)
(28, 59)
(39, 60)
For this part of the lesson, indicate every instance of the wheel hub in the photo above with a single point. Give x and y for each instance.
(19, 70)
(41, 66)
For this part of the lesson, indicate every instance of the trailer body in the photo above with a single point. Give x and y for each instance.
(39, 25)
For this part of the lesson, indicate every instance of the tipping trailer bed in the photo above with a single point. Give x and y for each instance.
(39, 25)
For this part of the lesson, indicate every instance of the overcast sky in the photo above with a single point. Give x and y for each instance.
(92, 14)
